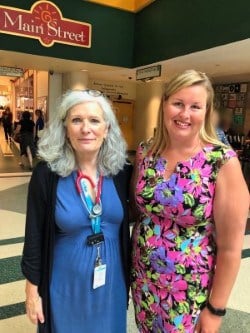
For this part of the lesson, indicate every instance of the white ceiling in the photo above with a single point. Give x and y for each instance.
(224, 64)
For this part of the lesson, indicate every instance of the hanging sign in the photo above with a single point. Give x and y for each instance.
(148, 72)
(11, 71)
(44, 22)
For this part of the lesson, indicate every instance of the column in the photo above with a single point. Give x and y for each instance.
(75, 80)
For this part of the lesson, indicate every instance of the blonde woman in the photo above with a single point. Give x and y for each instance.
(192, 206)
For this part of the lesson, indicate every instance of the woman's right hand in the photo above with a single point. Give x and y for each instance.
(208, 322)
(34, 308)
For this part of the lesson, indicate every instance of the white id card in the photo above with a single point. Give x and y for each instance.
(99, 276)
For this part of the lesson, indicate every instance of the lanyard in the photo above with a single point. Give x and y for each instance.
(94, 209)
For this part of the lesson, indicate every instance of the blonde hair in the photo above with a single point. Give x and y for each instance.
(185, 79)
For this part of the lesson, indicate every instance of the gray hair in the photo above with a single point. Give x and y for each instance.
(56, 150)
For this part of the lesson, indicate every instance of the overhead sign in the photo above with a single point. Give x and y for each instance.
(148, 72)
(44, 22)
(11, 71)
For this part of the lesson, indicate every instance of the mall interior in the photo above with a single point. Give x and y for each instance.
(128, 50)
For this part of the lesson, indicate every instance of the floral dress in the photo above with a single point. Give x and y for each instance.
(173, 242)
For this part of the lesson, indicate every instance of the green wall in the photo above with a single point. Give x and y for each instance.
(163, 30)
(112, 34)
(170, 28)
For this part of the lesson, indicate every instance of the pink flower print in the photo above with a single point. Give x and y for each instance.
(204, 280)
(184, 217)
(206, 199)
(168, 238)
(163, 235)
(141, 316)
(198, 176)
(154, 241)
(193, 254)
(183, 323)
(140, 185)
(177, 239)
(174, 287)
(152, 289)
(170, 328)
(208, 209)
(210, 262)
(182, 182)
(185, 220)
(173, 255)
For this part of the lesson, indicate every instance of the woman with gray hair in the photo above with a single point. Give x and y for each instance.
(76, 250)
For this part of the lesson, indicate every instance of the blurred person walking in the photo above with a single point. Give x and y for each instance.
(7, 118)
(26, 129)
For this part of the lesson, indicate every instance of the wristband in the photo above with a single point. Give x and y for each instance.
(216, 311)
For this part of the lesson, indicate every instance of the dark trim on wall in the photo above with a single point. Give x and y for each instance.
(163, 30)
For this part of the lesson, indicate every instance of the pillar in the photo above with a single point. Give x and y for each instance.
(75, 80)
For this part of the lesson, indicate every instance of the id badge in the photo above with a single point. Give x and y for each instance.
(95, 239)
(99, 276)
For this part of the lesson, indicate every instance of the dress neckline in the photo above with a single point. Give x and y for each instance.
(179, 163)
(203, 149)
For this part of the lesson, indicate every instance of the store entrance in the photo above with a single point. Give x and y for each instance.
(26, 92)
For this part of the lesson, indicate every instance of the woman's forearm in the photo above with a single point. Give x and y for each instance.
(34, 307)
(31, 291)
(227, 267)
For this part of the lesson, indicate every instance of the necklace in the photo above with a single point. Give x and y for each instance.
(173, 161)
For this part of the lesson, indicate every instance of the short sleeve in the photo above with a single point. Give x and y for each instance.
(217, 156)
(227, 154)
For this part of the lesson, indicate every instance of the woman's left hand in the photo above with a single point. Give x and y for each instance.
(207, 322)
(34, 310)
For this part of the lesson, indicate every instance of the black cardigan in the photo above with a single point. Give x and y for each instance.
(37, 258)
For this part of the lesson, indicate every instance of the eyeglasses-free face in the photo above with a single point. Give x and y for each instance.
(184, 113)
(86, 128)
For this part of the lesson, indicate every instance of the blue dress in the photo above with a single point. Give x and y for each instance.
(75, 306)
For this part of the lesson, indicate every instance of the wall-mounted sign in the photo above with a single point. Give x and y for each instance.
(124, 90)
(148, 72)
(44, 22)
(11, 71)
